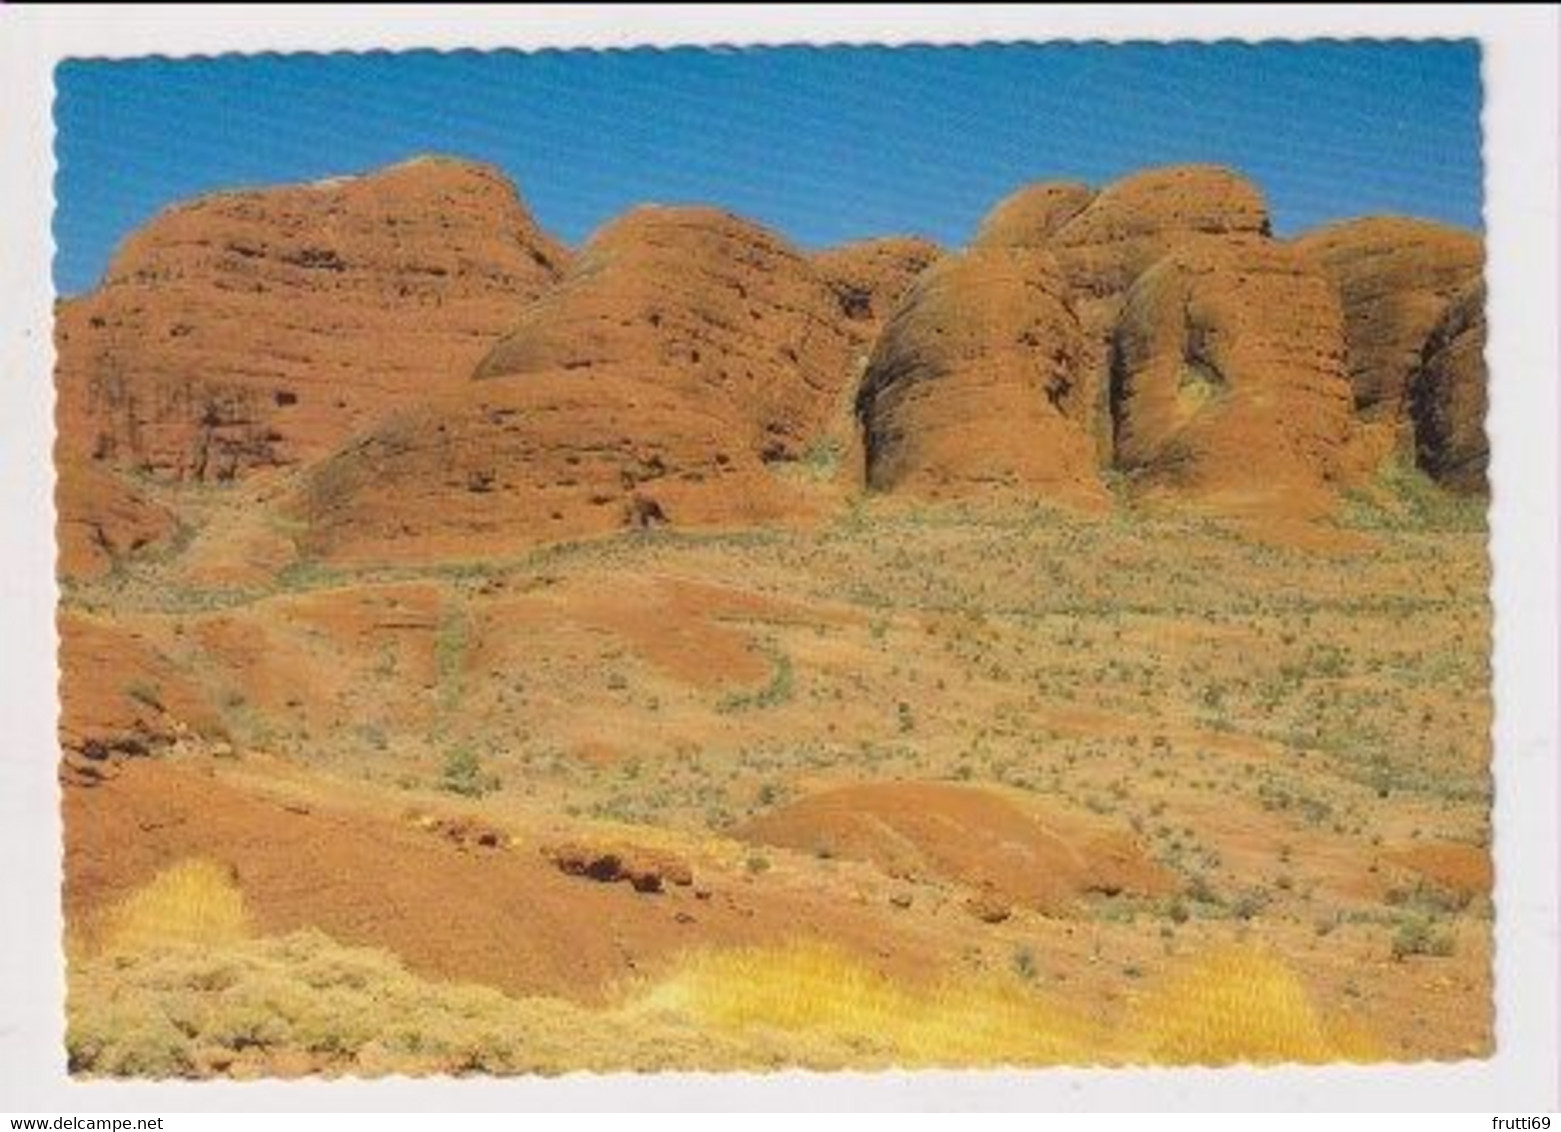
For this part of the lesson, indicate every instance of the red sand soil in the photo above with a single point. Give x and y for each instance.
(969, 835)
(503, 916)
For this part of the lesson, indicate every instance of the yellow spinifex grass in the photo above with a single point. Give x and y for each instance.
(1237, 1004)
(304, 1003)
(193, 902)
(825, 1006)
(173, 971)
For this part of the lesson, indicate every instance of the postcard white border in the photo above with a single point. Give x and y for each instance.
(1521, 131)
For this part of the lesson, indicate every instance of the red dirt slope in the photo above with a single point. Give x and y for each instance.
(972, 836)
(502, 916)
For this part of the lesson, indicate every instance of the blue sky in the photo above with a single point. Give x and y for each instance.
(824, 145)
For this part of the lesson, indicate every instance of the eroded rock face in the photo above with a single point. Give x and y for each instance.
(1130, 223)
(1448, 396)
(973, 385)
(686, 356)
(246, 330)
(701, 302)
(1102, 241)
(870, 277)
(1395, 277)
(1030, 217)
(997, 368)
(1228, 378)
(509, 463)
(457, 384)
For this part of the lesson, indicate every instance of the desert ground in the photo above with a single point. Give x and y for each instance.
(682, 652)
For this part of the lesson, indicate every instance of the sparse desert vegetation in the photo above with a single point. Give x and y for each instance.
(168, 1006)
(689, 652)
(1251, 719)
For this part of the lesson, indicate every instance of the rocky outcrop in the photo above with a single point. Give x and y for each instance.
(870, 277)
(686, 356)
(500, 465)
(1103, 241)
(645, 870)
(700, 302)
(974, 384)
(1131, 223)
(997, 368)
(246, 330)
(1031, 217)
(1447, 396)
(457, 384)
(1395, 277)
(1228, 380)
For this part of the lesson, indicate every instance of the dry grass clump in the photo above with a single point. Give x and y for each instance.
(171, 985)
(828, 1009)
(194, 902)
(1237, 1005)
(293, 1005)
(175, 987)
(302, 1004)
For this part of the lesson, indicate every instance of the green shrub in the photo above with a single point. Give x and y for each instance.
(1420, 937)
(464, 774)
(782, 687)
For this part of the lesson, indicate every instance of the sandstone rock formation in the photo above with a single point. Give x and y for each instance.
(1266, 312)
(1447, 396)
(973, 385)
(1395, 277)
(685, 353)
(249, 329)
(455, 383)
(702, 302)
(503, 464)
(1103, 241)
(1130, 223)
(870, 277)
(1030, 217)
(1228, 377)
